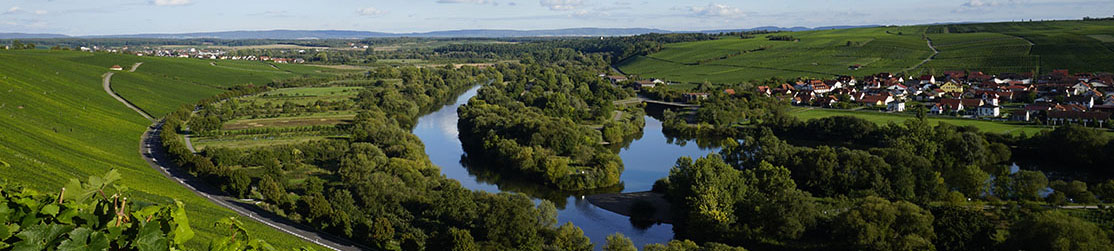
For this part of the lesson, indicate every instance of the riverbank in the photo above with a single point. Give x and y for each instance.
(621, 203)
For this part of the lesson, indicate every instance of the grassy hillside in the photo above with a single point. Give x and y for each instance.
(1081, 46)
(57, 124)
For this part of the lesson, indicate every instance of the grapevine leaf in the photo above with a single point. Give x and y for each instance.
(76, 192)
(151, 238)
(4, 232)
(39, 237)
(182, 232)
(85, 239)
(4, 245)
(50, 209)
(66, 216)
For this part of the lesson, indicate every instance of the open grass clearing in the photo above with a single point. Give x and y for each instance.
(241, 124)
(884, 118)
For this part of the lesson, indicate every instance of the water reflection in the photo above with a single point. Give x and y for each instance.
(647, 157)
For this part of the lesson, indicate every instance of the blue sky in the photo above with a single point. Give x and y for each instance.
(101, 17)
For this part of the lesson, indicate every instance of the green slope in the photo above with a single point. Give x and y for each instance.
(1081, 46)
(56, 123)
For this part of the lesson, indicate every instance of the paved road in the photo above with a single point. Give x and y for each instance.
(135, 66)
(107, 83)
(152, 151)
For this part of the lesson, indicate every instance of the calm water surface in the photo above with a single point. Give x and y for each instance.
(646, 160)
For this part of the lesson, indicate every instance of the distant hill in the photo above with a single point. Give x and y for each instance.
(350, 34)
(798, 28)
(30, 35)
(345, 34)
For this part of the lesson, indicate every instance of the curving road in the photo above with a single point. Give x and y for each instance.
(935, 52)
(107, 84)
(151, 148)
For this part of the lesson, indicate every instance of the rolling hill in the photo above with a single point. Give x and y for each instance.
(1080, 46)
(58, 123)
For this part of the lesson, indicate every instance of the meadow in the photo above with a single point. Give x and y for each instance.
(56, 124)
(885, 118)
(1080, 46)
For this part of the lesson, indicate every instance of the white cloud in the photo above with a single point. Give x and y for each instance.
(716, 10)
(371, 11)
(469, 1)
(980, 4)
(171, 2)
(562, 5)
(40, 12)
(14, 9)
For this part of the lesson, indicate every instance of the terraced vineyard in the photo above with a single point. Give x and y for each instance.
(283, 116)
(57, 124)
(1081, 46)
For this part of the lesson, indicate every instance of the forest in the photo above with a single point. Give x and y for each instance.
(535, 119)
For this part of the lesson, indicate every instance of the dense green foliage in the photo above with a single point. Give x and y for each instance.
(534, 120)
(97, 215)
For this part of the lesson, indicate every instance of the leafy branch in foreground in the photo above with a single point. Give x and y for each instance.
(96, 215)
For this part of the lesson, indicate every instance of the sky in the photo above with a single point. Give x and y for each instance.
(113, 17)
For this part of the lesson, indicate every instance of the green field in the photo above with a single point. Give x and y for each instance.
(57, 124)
(271, 109)
(1081, 46)
(884, 118)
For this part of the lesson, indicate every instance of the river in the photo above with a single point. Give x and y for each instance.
(647, 159)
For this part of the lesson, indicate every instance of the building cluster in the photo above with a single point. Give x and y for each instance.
(213, 54)
(1056, 98)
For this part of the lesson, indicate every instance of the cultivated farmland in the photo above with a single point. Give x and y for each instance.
(1080, 46)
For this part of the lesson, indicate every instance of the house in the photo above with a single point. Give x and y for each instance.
(785, 89)
(644, 84)
(1109, 100)
(1080, 88)
(765, 90)
(821, 88)
(927, 79)
(828, 101)
(732, 91)
(694, 96)
(876, 100)
(896, 106)
(951, 87)
(958, 105)
(1021, 115)
(1088, 101)
(616, 79)
(1072, 117)
(116, 68)
(988, 110)
(803, 98)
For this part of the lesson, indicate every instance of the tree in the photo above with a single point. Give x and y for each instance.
(969, 180)
(1052, 230)
(1076, 190)
(272, 191)
(1028, 185)
(618, 242)
(457, 240)
(571, 238)
(878, 224)
(961, 228)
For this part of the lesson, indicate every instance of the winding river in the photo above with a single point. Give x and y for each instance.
(647, 159)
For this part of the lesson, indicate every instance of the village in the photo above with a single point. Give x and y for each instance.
(211, 54)
(1054, 99)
